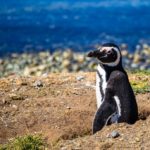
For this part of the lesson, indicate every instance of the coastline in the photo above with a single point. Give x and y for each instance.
(68, 61)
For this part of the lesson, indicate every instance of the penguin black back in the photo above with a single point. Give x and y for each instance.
(117, 102)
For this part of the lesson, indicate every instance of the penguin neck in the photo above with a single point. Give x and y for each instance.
(110, 69)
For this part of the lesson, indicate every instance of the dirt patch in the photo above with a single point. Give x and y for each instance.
(61, 107)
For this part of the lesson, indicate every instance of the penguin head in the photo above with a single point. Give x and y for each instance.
(108, 54)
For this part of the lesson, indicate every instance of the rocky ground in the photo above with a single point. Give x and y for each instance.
(68, 61)
(61, 107)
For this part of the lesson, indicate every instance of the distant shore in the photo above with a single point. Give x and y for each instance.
(67, 61)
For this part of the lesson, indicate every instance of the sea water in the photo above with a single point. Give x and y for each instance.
(34, 25)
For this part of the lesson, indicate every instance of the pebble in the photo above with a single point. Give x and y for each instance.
(15, 107)
(66, 63)
(68, 107)
(14, 96)
(137, 139)
(124, 53)
(136, 58)
(38, 84)
(114, 134)
(79, 78)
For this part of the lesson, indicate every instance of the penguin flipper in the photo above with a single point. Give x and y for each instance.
(102, 116)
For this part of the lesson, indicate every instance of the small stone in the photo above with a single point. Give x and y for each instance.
(130, 56)
(79, 78)
(80, 59)
(14, 96)
(75, 67)
(26, 71)
(41, 67)
(67, 54)
(138, 47)
(143, 67)
(137, 139)
(15, 107)
(145, 46)
(68, 107)
(134, 66)
(66, 63)
(114, 134)
(124, 53)
(146, 52)
(136, 58)
(45, 75)
(38, 73)
(38, 84)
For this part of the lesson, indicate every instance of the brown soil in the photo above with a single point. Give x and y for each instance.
(62, 111)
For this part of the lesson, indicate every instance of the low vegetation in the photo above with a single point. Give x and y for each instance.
(27, 142)
(142, 85)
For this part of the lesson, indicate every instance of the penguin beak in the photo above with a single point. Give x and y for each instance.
(94, 53)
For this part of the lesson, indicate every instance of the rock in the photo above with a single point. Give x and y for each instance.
(44, 54)
(143, 67)
(137, 139)
(14, 55)
(130, 56)
(26, 71)
(38, 84)
(148, 61)
(114, 134)
(67, 54)
(9, 66)
(136, 58)
(79, 78)
(66, 63)
(14, 96)
(145, 46)
(146, 52)
(134, 66)
(68, 107)
(42, 67)
(38, 73)
(138, 47)
(75, 67)
(80, 59)
(45, 75)
(126, 61)
(15, 107)
(124, 53)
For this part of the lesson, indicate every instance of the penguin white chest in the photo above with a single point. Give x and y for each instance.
(101, 85)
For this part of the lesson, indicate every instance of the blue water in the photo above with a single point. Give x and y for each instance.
(33, 25)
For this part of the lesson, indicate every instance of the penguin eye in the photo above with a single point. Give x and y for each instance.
(104, 50)
(109, 52)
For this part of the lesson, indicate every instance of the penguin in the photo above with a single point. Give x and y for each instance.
(116, 101)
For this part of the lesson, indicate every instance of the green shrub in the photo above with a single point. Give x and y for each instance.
(28, 142)
(141, 85)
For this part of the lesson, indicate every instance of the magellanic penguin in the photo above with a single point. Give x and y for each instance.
(115, 98)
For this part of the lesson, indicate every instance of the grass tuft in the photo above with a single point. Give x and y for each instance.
(28, 142)
(141, 83)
